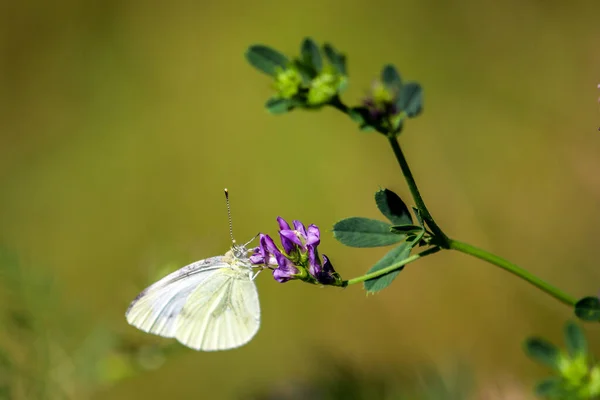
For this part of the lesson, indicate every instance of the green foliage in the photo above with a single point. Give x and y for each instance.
(390, 77)
(37, 342)
(266, 60)
(392, 207)
(337, 59)
(365, 232)
(311, 56)
(575, 340)
(543, 352)
(588, 309)
(278, 105)
(410, 99)
(549, 388)
(394, 256)
(306, 81)
(577, 377)
(318, 76)
(339, 379)
(406, 229)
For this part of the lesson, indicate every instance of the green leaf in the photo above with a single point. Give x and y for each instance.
(418, 215)
(306, 71)
(588, 309)
(550, 387)
(575, 340)
(405, 229)
(266, 59)
(364, 232)
(311, 54)
(392, 207)
(279, 106)
(395, 255)
(390, 77)
(336, 59)
(410, 99)
(543, 352)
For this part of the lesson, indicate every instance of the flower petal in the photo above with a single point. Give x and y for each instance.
(286, 269)
(327, 266)
(288, 241)
(299, 226)
(326, 277)
(257, 259)
(313, 235)
(283, 223)
(314, 263)
(268, 245)
(291, 236)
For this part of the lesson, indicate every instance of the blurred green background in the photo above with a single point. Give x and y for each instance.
(122, 121)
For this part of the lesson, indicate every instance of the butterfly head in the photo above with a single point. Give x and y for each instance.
(239, 251)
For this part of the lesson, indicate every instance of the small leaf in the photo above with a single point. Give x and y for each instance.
(390, 77)
(418, 239)
(395, 255)
(306, 71)
(588, 309)
(405, 229)
(543, 352)
(266, 59)
(311, 54)
(410, 99)
(336, 59)
(550, 387)
(575, 340)
(364, 232)
(418, 215)
(279, 106)
(392, 207)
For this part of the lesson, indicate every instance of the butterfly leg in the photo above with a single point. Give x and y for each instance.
(256, 274)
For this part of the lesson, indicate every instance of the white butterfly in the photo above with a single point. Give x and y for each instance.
(209, 305)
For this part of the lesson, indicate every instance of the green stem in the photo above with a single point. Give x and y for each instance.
(442, 240)
(439, 235)
(392, 267)
(513, 269)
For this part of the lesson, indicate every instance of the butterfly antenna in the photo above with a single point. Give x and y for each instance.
(229, 215)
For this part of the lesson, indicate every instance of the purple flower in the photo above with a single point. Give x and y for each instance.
(323, 273)
(298, 258)
(313, 236)
(286, 269)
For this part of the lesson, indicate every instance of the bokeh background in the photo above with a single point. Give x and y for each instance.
(122, 121)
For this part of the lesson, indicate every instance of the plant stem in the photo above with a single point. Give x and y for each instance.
(439, 235)
(513, 269)
(392, 267)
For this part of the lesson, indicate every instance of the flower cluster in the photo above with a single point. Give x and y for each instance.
(381, 101)
(298, 257)
(293, 83)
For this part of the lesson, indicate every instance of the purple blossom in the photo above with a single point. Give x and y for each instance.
(298, 258)
(286, 269)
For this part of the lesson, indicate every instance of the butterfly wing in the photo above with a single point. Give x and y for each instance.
(155, 309)
(222, 313)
